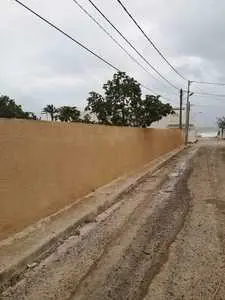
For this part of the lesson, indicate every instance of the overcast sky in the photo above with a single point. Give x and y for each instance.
(39, 66)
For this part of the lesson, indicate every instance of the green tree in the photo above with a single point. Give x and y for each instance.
(221, 124)
(68, 114)
(122, 104)
(51, 110)
(98, 106)
(152, 110)
(123, 97)
(9, 109)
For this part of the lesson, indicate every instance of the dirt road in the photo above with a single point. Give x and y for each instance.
(195, 268)
(164, 239)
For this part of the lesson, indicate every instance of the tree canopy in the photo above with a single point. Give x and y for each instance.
(9, 109)
(122, 104)
(68, 114)
(63, 113)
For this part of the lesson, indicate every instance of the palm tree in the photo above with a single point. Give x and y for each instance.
(51, 110)
(221, 124)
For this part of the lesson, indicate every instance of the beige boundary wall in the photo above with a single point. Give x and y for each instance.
(45, 166)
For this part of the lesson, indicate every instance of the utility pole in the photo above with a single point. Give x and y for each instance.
(187, 113)
(181, 109)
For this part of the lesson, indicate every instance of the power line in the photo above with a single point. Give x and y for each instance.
(67, 35)
(150, 90)
(132, 46)
(112, 38)
(150, 41)
(210, 83)
(210, 105)
(71, 38)
(131, 56)
(208, 94)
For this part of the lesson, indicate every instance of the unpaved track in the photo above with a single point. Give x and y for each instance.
(164, 239)
(196, 265)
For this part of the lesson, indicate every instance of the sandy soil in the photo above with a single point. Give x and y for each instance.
(162, 240)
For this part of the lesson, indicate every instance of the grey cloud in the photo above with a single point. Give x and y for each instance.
(39, 66)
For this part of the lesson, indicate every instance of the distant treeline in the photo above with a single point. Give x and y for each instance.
(121, 105)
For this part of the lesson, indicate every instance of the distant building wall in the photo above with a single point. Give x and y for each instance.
(170, 121)
(46, 166)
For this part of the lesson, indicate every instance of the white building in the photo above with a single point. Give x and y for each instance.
(172, 121)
